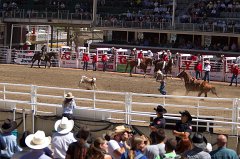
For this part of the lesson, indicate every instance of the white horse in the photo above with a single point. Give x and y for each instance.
(90, 81)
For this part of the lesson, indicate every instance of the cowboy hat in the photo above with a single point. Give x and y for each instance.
(160, 109)
(37, 140)
(134, 49)
(69, 95)
(207, 61)
(86, 53)
(199, 140)
(64, 125)
(105, 53)
(8, 126)
(94, 54)
(119, 130)
(186, 113)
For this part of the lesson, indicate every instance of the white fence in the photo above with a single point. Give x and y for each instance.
(125, 107)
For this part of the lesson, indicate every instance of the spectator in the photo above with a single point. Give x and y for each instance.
(85, 60)
(158, 122)
(10, 140)
(170, 147)
(99, 150)
(183, 128)
(37, 142)
(115, 145)
(94, 61)
(68, 106)
(79, 149)
(235, 71)
(158, 149)
(198, 69)
(207, 69)
(222, 152)
(199, 143)
(137, 149)
(183, 145)
(63, 137)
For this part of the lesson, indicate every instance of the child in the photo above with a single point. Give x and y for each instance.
(162, 87)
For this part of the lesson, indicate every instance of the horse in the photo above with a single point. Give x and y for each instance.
(47, 58)
(192, 84)
(143, 65)
(159, 66)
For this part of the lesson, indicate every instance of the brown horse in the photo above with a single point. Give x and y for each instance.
(47, 58)
(192, 84)
(143, 65)
(159, 66)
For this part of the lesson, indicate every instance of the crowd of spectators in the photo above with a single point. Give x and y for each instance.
(120, 143)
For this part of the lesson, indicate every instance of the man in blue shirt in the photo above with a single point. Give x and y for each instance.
(223, 152)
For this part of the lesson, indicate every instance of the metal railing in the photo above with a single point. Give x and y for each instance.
(127, 107)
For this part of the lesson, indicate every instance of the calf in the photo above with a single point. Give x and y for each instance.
(90, 81)
(159, 75)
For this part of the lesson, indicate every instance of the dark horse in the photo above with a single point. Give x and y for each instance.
(143, 65)
(47, 58)
(192, 84)
(159, 66)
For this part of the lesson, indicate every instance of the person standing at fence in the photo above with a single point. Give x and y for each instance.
(207, 69)
(68, 106)
(139, 58)
(183, 127)
(104, 61)
(158, 123)
(198, 69)
(235, 71)
(85, 60)
(94, 61)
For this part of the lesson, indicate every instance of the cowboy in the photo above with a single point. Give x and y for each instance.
(94, 61)
(207, 69)
(169, 54)
(11, 141)
(44, 50)
(183, 127)
(162, 87)
(199, 143)
(139, 58)
(104, 61)
(37, 143)
(85, 60)
(165, 59)
(150, 54)
(198, 69)
(63, 137)
(158, 122)
(235, 71)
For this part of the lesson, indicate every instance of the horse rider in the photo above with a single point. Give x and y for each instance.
(165, 59)
(139, 58)
(94, 61)
(150, 54)
(235, 71)
(169, 54)
(104, 61)
(85, 60)
(44, 50)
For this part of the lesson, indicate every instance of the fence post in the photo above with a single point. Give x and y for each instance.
(33, 104)
(235, 116)
(128, 107)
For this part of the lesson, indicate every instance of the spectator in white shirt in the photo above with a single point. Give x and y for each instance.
(207, 69)
(62, 138)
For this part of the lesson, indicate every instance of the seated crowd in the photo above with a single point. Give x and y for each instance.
(120, 143)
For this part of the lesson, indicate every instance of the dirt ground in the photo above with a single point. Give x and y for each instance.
(119, 82)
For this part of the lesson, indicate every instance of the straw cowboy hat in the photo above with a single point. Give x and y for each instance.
(186, 113)
(37, 140)
(64, 125)
(8, 126)
(207, 61)
(199, 140)
(119, 130)
(69, 95)
(160, 109)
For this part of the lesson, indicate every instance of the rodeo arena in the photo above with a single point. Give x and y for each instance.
(109, 79)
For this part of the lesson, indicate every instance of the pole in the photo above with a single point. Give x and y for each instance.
(94, 12)
(173, 13)
(11, 38)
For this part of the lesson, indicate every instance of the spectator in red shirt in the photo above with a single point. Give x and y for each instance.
(198, 69)
(94, 62)
(235, 71)
(139, 57)
(104, 60)
(85, 60)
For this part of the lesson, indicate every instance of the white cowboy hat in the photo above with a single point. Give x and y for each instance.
(105, 53)
(37, 140)
(94, 54)
(86, 53)
(168, 50)
(207, 61)
(69, 95)
(64, 125)
(134, 49)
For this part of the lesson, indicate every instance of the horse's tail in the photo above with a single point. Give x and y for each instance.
(213, 90)
(127, 66)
